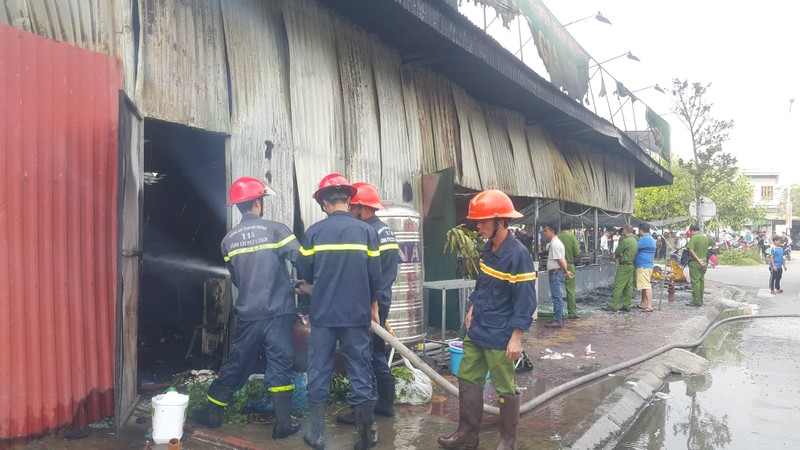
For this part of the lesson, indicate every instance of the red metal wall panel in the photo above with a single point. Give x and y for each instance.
(58, 233)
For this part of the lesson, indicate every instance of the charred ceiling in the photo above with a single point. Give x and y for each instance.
(434, 35)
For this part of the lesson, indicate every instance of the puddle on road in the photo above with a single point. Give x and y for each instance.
(747, 400)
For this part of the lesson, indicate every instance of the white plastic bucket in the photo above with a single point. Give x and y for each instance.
(169, 411)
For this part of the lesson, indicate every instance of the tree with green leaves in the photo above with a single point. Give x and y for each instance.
(733, 198)
(665, 202)
(709, 165)
(794, 195)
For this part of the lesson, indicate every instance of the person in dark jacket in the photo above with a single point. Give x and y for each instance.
(363, 207)
(340, 255)
(504, 300)
(256, 252)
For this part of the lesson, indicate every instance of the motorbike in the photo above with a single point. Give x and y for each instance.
(711, 257)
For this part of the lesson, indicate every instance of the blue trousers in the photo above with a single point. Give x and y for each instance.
(556, 279)
(247, 337)
(380, 361)
(356, 347)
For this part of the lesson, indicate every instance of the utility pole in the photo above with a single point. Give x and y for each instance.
(789, 212)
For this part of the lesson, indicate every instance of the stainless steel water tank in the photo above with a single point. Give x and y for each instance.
(406, 315)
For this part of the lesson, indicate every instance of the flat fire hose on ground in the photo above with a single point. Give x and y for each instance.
(538, 400)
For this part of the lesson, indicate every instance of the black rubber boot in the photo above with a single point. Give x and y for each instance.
(347, 419)
(366, 433)
(509, 419)
(470, 413)
(315, 437)
(212, 416)
(284, 424)
(385, 403)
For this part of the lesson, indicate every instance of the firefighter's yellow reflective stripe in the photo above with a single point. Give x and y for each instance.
(256, 248)
(507, 276)
(339, 247)
(216, 402)
(288, 387)
(386, 247)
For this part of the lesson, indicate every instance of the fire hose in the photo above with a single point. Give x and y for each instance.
(538, 400)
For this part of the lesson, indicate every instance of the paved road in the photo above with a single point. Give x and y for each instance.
(749, 398)
(757, 277)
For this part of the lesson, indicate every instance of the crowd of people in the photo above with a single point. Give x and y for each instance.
(348, 263)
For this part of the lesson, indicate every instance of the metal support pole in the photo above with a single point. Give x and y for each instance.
(444, 314)
(596, 236)
(536, 230)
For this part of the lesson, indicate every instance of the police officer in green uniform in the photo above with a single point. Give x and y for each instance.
(698, 250)
(623, 280)
(572, 251)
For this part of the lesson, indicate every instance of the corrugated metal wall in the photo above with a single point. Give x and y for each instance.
(258, 54)
(362, 140)
(316, 100)
(325, 94)
(328, 96)
(183, 65)
(58, 225)
(400, 169)
(103, 26)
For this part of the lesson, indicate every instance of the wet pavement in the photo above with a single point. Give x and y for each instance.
(749, 399)
(614, 337)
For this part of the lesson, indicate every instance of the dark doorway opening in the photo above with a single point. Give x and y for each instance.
(183, 302)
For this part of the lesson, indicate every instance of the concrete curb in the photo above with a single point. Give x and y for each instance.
(620, 408)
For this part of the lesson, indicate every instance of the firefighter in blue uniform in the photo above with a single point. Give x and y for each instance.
(256, 252)
(363, 207)
(502, 308)
(340, 256)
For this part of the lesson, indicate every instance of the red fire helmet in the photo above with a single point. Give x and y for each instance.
(248, 188)
(366, 195)
(334, 181)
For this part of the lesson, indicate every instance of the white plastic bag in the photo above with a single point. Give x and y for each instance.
(416, 392)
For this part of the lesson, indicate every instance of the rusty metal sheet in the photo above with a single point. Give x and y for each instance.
(474, 126)
(523, 168)
(501, 149)
(182, 75)
(573, 172)
(444, 120)
(400, 177)
(416, 139)
(261, 132)
(470, 174)
(362, 141)
(316, 100)
(549, 166)
(102, 26)
(59, 265)
(422, 131)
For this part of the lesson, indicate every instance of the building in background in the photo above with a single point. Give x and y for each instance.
(769, 193)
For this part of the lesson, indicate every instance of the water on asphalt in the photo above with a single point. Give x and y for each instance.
(749, 398)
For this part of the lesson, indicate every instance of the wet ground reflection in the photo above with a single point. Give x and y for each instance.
(748, 399)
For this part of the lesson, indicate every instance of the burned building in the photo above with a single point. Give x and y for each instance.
(123, 122)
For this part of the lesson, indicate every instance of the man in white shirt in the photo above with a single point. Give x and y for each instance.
(681, 240)
(556, 271)
(604, 243)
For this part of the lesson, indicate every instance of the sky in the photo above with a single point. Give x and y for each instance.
(748, 51)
